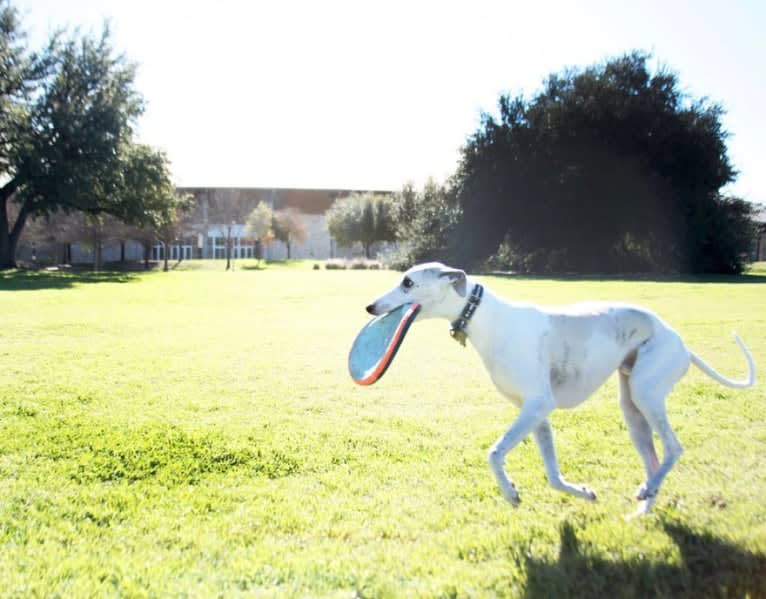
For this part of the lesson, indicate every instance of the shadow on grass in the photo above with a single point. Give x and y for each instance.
(251, 266)
(292, 264)
(711, 567)
(30, 280)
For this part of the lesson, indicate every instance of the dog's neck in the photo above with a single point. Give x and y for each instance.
(457, 327)
(453, 306)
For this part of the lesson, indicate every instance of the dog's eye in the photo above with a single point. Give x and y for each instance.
(407, 283)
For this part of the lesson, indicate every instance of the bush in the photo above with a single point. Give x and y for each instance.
(365, 265)
(335, 265)
(358, 264)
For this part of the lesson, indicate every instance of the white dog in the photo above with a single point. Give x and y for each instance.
(555, 358)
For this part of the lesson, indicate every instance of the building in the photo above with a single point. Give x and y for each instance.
(759, 252)
(218, 217)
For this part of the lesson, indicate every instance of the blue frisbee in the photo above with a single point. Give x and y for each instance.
(376, 344)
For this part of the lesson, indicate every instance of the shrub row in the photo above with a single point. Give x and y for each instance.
(357, 264)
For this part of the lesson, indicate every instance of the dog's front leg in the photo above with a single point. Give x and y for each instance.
(544, 437)
(533, 412)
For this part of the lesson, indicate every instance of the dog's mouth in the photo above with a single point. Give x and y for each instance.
(375, 310)
(378, 310)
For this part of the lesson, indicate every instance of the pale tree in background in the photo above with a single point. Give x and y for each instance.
(259, 226)
(288, 227)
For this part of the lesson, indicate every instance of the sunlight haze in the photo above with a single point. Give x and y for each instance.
(369, 95)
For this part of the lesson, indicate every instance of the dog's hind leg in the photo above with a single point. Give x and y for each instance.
(640, 434)
(533, 412)
(659, 366)
(544, 437)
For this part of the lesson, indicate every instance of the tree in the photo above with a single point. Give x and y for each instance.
(228, 210)
(140, 191)
(147, 238)
(173, 224)
(21, 72)
(362, 218)
(55, 230)
(258, 225)
(423, 222)
(288, 227)
(93, 231)
(142, 171)
(608, 168)
(725, 235)
(67, 117)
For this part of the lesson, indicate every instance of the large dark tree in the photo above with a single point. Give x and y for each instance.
(610, 168)
(66, 127)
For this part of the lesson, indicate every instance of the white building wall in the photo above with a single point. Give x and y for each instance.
(110, 252)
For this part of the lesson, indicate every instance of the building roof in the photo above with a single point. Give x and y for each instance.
(308, 201)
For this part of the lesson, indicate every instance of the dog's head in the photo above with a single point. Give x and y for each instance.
(432, 285)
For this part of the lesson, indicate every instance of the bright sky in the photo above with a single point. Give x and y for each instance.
(360, 94)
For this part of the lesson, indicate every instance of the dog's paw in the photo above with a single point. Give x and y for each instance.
(579, 491)
(643, 493)
(644, 507)
(512, 495)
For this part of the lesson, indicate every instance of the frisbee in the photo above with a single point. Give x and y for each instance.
(377, 343)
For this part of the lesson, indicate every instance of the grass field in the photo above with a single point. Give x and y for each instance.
(195, 434)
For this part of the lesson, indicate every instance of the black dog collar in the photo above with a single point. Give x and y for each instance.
(457, 327)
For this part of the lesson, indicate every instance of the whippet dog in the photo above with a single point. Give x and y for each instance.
(547, 358)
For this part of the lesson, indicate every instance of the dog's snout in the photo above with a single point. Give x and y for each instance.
(371, 309)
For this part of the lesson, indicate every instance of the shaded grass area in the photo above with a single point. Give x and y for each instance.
(195, 433)
(708, 567)
(90, 451)
(31, 280)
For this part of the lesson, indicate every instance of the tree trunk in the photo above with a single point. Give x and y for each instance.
(288, 249)
(147, 251)
(122, 251)
(7, 257)
(9, 236)
(97, 255)
(165, 253)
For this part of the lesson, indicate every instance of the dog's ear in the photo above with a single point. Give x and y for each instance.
(457, 278)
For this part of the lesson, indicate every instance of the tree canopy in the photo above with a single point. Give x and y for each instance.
(67, 115)
(361, 218)
(288, 227)
(607, 168)
(423, 223)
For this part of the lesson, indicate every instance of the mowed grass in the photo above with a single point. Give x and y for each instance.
(196, 434)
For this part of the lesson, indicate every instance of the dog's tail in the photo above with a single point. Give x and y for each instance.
(712, 373)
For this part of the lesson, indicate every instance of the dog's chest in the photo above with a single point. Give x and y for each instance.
(515, 373)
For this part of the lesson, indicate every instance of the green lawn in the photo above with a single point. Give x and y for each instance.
(195, 434)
